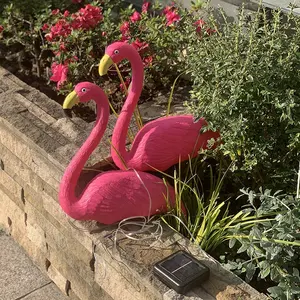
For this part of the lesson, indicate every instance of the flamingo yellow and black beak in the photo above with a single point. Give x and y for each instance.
(71, 100)
(105, 63)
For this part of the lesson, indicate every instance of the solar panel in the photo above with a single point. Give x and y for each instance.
(181, 271)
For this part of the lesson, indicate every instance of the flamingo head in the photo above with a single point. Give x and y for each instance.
(115, 53)
(83, 92)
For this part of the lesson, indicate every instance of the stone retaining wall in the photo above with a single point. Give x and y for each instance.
(36, 144)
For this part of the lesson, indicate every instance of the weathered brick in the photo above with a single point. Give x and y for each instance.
(9, 106)
(36, 234)
(64, 154)
(30, 154)
(51, 210)
(80, 287)
(12, 189)
(116, 285)
(3, 72)
(34, 252)
(37, 135)
(35, 110)
(43, 126)
(20, 172)
(134, 261)
(67, 128)
(62, 241)
(14, 82)
(83, 269)
(51, 107)
(11, 216)
(33, 197)
(76, 228)
(57, 278)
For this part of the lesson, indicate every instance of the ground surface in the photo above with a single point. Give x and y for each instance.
(20, 278)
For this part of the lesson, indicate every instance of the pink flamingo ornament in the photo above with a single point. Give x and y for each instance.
(113, 195)
(160, 143)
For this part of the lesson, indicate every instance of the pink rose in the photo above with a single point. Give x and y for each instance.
(145, 7)
(136, 16)
(59, 73)
(199, 25)
(55, 12)
(45, 27)
(172, 17)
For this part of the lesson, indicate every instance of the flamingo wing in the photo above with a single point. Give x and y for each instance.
(165, 141)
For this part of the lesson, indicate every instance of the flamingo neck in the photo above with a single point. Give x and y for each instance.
(122, 124)
(71, 204)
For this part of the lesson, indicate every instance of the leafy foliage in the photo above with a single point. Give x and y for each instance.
(273, 247)
(245, 82)
(162, 35)
(70, 38)
(208, 222)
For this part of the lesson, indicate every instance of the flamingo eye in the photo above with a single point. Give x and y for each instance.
(83, 90)
(116, 52)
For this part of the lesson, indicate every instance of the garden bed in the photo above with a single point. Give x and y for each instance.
(80, 257)
(242, 77)
(158, 99)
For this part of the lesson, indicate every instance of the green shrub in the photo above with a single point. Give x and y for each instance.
(162, 35)
(272, 248)
(246, 83)
(22, 22)
(78, 41)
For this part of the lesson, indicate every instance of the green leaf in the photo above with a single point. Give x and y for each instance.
(250, 271)
(243, 248)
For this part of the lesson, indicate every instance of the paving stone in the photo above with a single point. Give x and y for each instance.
(48, 292)
(18, 276)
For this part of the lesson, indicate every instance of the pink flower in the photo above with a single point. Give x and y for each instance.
(59, 73)
(104, 33)
(45, 27)
(124, 28)
(145, 7)
(140, 46)
(61, 28)
(55, 12)
(66, 13)
(136, 16)
(62, 47)
(1, 28)
(147, 61)
(167, 9)
(87, 17)
(210, 31)
(199, 25)
(172, 17)
(125, 38)
(127, 82)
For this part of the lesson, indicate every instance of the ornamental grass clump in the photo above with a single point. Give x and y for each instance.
(246, 84)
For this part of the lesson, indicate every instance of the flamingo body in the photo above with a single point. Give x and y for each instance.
(114, 195)
(160, 143)
(166, 141)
